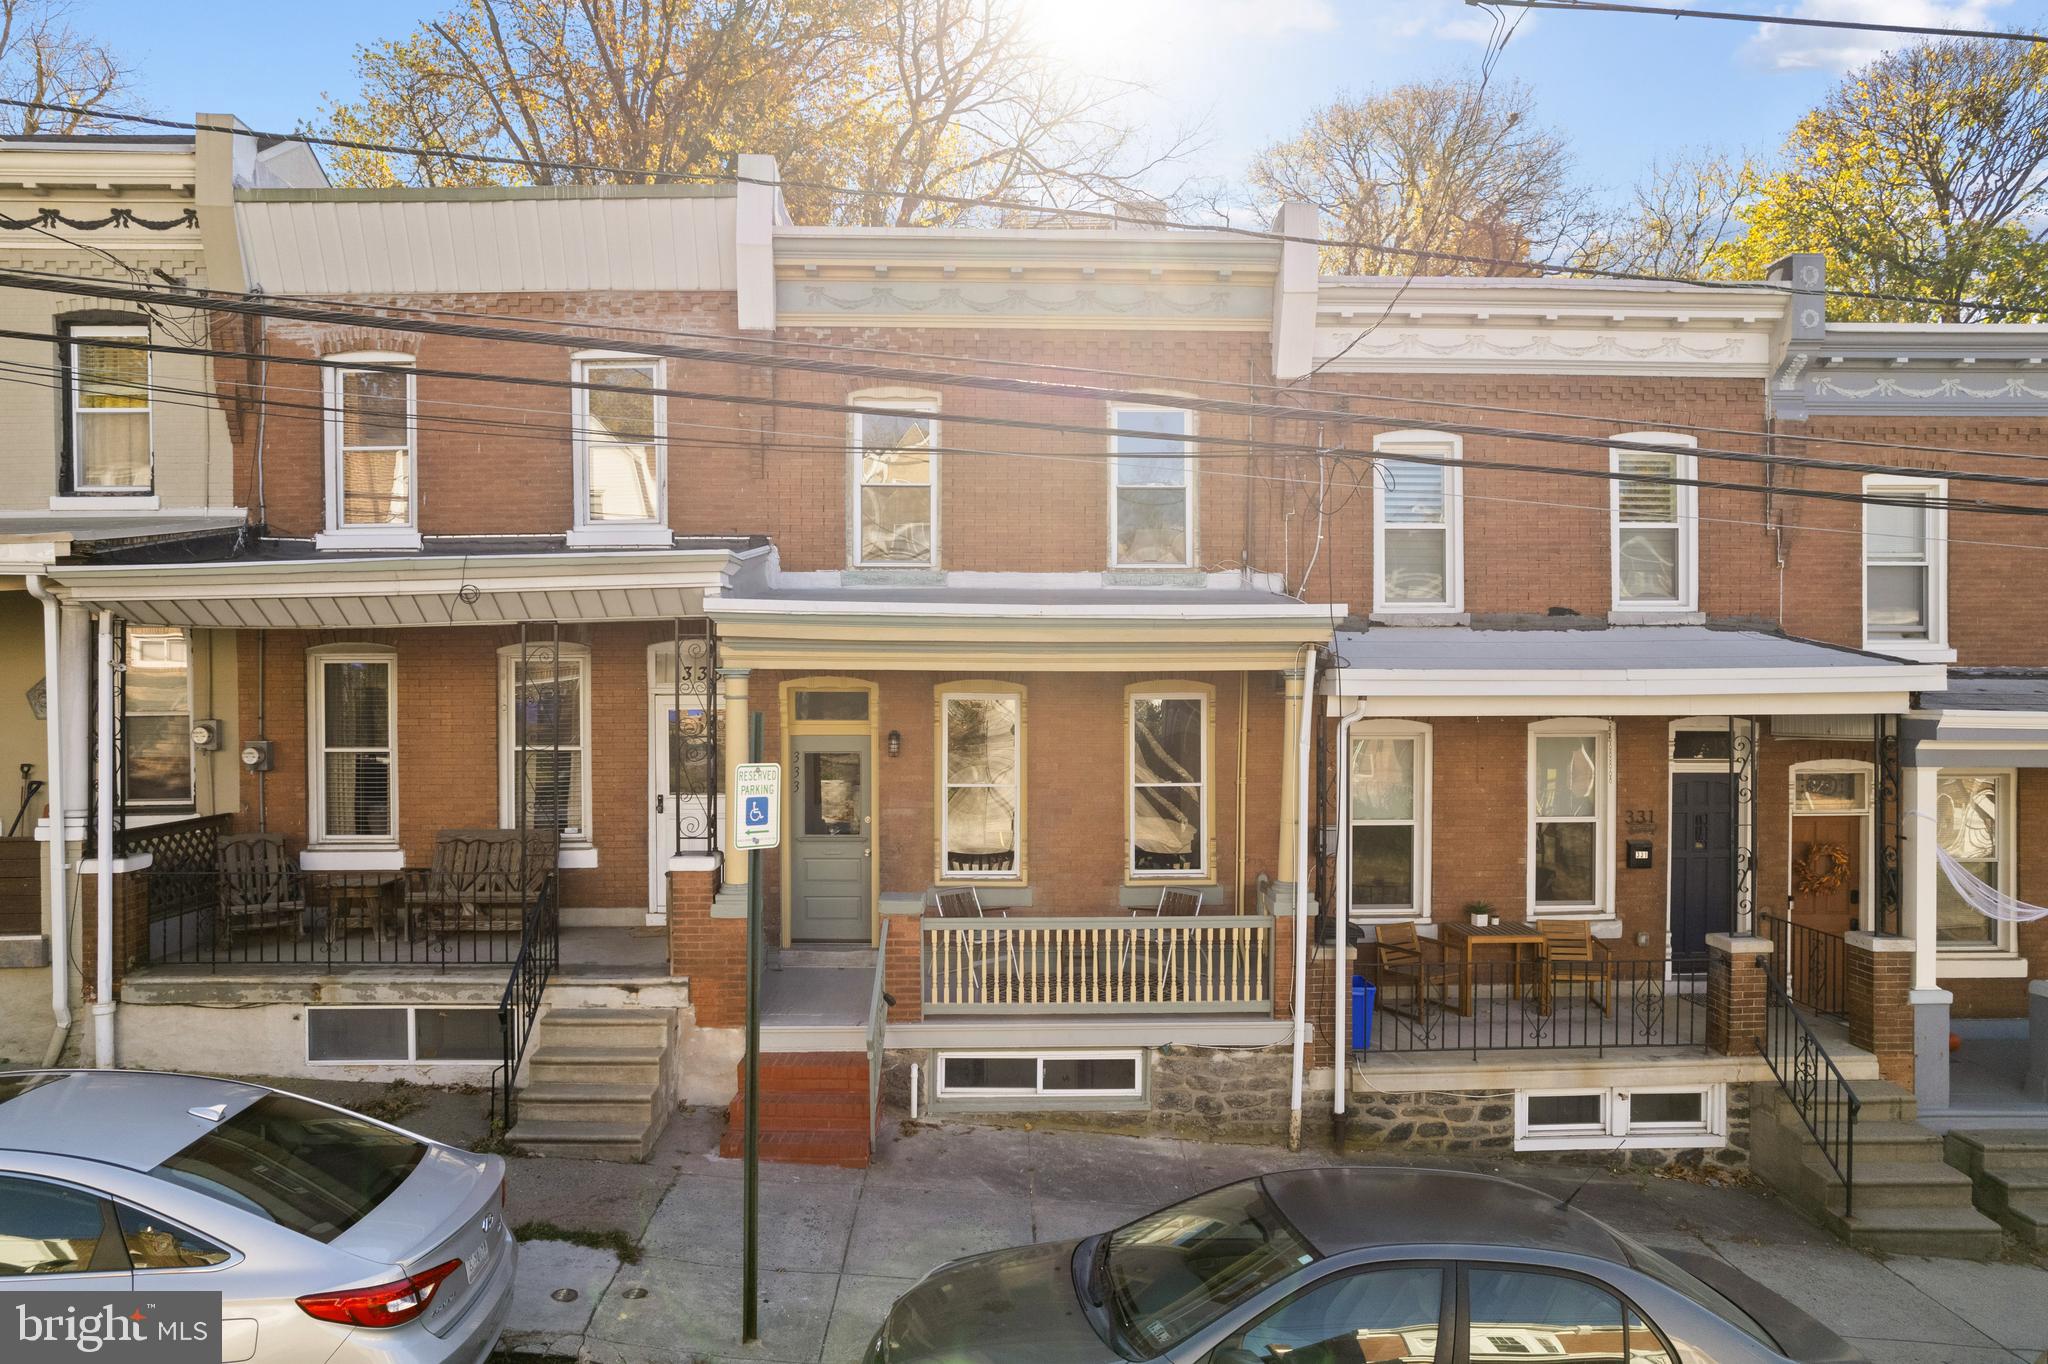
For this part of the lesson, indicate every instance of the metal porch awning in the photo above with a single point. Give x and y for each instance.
(1981, 719)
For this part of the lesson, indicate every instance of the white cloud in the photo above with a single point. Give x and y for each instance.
(1779, 47)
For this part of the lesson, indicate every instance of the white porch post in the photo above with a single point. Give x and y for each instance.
(1919, 885)
(103, 1054)
(74, 679)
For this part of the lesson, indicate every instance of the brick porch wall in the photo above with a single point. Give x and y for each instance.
(1735, 993)
(1880, 1018)
(710, 952)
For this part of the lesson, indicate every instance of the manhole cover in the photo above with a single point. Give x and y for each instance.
(565, 1295)
(635, 1293)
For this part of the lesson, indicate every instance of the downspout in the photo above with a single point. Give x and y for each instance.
(1341, 893)
(103, 882)
(59, 846)
(1308, 723)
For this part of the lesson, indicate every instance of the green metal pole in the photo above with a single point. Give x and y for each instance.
(750, 1257)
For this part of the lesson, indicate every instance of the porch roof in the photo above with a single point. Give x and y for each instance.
(474, 582)
(1982, 718)
(1617, 670)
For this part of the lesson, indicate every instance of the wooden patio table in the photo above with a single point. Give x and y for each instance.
(1467, 938)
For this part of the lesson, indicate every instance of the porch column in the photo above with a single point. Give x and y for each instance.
(1736, 998)
(1880, 967)
(1287, 876)
(1919, 885)
(74, 677)
(733, 752)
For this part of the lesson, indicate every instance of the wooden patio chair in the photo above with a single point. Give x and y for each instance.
(1399, 964)
(259, 886)
(487, 878)
(1571, 953)
(1179, 904)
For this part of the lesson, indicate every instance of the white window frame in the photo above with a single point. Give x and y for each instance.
(920, 405)
(574, 658)
(1420, 735)
(947, 785)
(941, 1091)
(338, 534)
(1935, 648)
(73, 412)
(412, 1037)
(1395, 446)
(1683, 466)
(317, 660)
(2007, 945)
(1188, 501)
(1602, 732)
(1617, 1130)
(1204, 786)
(612, 532)
(191, 758)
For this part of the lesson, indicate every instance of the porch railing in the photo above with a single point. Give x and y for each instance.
(1598, 1006)
(1820, 1093)
(540, 953)
(1098, 965)
(1812, 965)
(182, 854)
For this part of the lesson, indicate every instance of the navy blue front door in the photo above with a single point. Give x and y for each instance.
(1702, 888)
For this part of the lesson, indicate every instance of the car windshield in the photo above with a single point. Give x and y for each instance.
(1682, 1280)
(1175, 1271)
(314, 1169)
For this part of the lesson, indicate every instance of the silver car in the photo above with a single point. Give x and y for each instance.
(332, 1238)
(1351, 1266)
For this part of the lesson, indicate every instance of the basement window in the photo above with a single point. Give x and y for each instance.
(423, 1033)
(1051, 1075)
(1621, 1119)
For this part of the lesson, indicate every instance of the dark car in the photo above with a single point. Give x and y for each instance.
(1351, 1266)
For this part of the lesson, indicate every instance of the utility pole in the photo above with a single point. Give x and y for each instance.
(750, 1255)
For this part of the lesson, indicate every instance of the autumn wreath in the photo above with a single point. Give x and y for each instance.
(1824, 869)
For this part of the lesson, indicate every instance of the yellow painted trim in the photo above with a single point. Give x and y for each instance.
(980, 687)
(793, 728)
(1169, 686)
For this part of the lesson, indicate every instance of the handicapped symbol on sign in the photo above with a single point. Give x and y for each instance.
(757, 811)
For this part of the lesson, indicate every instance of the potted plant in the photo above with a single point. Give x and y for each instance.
(1479, 912)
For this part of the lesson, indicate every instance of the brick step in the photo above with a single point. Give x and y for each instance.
(805, 1114)
(1954, 1233)
(810, 1073)
(847, 1149)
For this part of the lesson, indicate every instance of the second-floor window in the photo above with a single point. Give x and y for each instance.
(156, 696)
(896, 488)
(1417, 525)
(621, 457)
(372, 452)
(1152, 507)
(1656, 526)
(1905, 543)
(107, 439)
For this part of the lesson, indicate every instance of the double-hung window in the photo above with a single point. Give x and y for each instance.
(896, 487)
(354, 779)
(156, 695)
(1905, 560)
(1152, 507)
(544, 739)
(1656, 525)
(1973, 821)
(108, 438)
(621, 451)
(1169, 769)
(1389, 795)
(1571, 818)
(980, 809)
(1417, 524)
(372, 466)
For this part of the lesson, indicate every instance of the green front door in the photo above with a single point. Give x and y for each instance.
(831, 841)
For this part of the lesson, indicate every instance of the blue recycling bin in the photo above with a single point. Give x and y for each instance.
(1361, 1013)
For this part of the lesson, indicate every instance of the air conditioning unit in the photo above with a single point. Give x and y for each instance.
(1845, 728)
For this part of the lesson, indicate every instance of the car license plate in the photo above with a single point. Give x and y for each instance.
(479, 1264)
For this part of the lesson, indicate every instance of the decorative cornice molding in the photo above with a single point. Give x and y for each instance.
(1040, 304)
(1527, 349)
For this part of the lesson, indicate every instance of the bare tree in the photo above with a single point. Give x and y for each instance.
(1679, 215)
(1420, 175)
(43, 59)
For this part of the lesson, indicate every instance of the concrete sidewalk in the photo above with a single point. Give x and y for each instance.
(838, 1246)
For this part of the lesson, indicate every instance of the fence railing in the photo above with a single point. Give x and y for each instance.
(412, 916)
(1812, 965)
(1099, 965)
(878, 1032)
(1596, 1005)
(1820, 1093)
(540, 953)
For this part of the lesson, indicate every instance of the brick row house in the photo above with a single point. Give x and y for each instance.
(1152, 634)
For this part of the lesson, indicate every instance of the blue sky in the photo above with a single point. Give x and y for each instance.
(1623, 88)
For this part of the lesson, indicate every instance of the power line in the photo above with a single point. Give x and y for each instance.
(638, 174)
(1860, 25)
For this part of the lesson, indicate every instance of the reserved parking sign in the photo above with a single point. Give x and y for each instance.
(757, 798)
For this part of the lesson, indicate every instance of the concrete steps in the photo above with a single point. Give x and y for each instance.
(814, 1109)
(597, 1084)
(1907, 1198)
(2009, 1173)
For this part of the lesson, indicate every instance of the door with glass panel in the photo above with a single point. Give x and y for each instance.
(679, 787)
(830, 837)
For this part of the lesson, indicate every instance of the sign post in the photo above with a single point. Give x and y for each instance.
(757, 798)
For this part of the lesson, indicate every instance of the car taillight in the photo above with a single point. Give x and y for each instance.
(387, 1304)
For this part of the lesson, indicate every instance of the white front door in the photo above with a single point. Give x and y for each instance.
(678, 780)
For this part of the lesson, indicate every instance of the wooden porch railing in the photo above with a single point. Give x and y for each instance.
(1098, 965)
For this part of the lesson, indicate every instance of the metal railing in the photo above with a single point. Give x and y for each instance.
(878, 1031)
(1813, 965)
(1820, 1093)
(1597, 1005)
(1098, 965)
(540, 953)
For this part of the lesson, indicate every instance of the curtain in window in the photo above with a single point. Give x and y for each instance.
(981, 784)
(1966, 814)
(376, 454)
(1167, 817)
(356, 725)
(622, 470)
(548, 735)
(1383, 822)
(157, 721)
(1648, 543)
(1566, 800)
(896, 488)
(1414, 533)
(1896, 562)
(111, 434)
